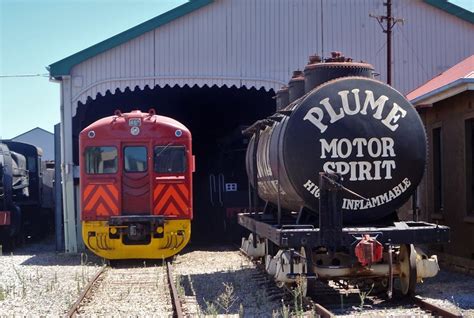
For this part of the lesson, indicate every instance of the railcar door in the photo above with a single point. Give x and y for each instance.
(135, 180)
(171, 194)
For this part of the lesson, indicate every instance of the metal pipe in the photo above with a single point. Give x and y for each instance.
(58, 217)
(389, 41)
(390, 272)
(376, 270)
(255, 171)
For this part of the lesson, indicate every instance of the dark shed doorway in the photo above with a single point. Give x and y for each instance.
(215, 117)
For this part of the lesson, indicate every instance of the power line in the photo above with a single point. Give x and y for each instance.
(418, 60)
(387, 29)
(24, 75)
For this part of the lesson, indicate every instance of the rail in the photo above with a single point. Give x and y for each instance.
(74, 308)
(178, 312)
(322, 311)
(435, 309)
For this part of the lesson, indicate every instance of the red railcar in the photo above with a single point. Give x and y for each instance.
(136, 186)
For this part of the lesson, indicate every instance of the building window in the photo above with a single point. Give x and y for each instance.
(469, 132)
(170, 159)
(101, 160)
(135, 159)
(438, 171)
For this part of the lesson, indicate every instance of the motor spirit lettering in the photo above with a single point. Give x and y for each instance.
(362, 148)
(350, 204)
(317, 114)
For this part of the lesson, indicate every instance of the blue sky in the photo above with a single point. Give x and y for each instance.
(34, 34)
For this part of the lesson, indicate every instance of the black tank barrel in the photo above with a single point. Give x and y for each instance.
(282, 98)
(296, 86)
(358, 127)
(316, 72)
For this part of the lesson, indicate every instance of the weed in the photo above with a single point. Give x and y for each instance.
(363, 295)
(260, 297)
(285, 310)
(241, 311)
(83, 259)
(179, 286)
(22, 282)
(211, 309)
(3, 294)
(227, 299)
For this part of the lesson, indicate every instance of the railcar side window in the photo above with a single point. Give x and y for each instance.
(135, 159)
(170, 159)
(101, 160)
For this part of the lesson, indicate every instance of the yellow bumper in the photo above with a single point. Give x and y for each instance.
(175, 237)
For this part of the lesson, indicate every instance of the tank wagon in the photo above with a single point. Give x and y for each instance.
(136, 186)
(341, 154)
(26, 197)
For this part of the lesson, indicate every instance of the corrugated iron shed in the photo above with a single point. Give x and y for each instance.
(255, 43)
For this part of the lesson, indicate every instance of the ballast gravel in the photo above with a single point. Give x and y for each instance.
(215, 282)
(135, 291)
(37, 281)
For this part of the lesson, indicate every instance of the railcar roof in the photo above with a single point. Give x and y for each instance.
(146, 117)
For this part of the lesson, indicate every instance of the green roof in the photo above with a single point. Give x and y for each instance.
(64, 66)
(452, 9)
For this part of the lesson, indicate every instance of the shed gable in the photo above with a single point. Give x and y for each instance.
(258, 43)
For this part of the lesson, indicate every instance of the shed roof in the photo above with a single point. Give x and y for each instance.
(453, 81)
(33, 130)
(64, 66)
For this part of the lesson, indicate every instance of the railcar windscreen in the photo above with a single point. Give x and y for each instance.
(170, 159)
(101, 160)
(135, 159)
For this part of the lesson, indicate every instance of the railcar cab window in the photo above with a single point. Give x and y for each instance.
(170, 159)
(135, 159)
(31, 162)
(100, 160)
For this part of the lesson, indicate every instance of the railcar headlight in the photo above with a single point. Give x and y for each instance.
(113, 230)
(159, 229)
(135, 130)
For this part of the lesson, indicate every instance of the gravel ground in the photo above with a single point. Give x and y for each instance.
(203, 276)
(37, 281)
(448, 290)
(451, 290)
(220, 282)
(132, 291)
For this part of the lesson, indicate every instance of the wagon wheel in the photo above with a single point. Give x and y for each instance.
(407, 259)
(307, 285)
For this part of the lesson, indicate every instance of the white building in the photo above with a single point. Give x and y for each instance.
(216, 63)
(39, 138)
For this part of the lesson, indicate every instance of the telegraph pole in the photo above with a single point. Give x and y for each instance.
(387, 29)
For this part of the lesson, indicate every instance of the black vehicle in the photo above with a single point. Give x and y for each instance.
(26, 196)
(342, 153)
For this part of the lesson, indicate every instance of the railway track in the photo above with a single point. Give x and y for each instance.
(331, 300)
(129, 290)
(329, 304)
(414, 303)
